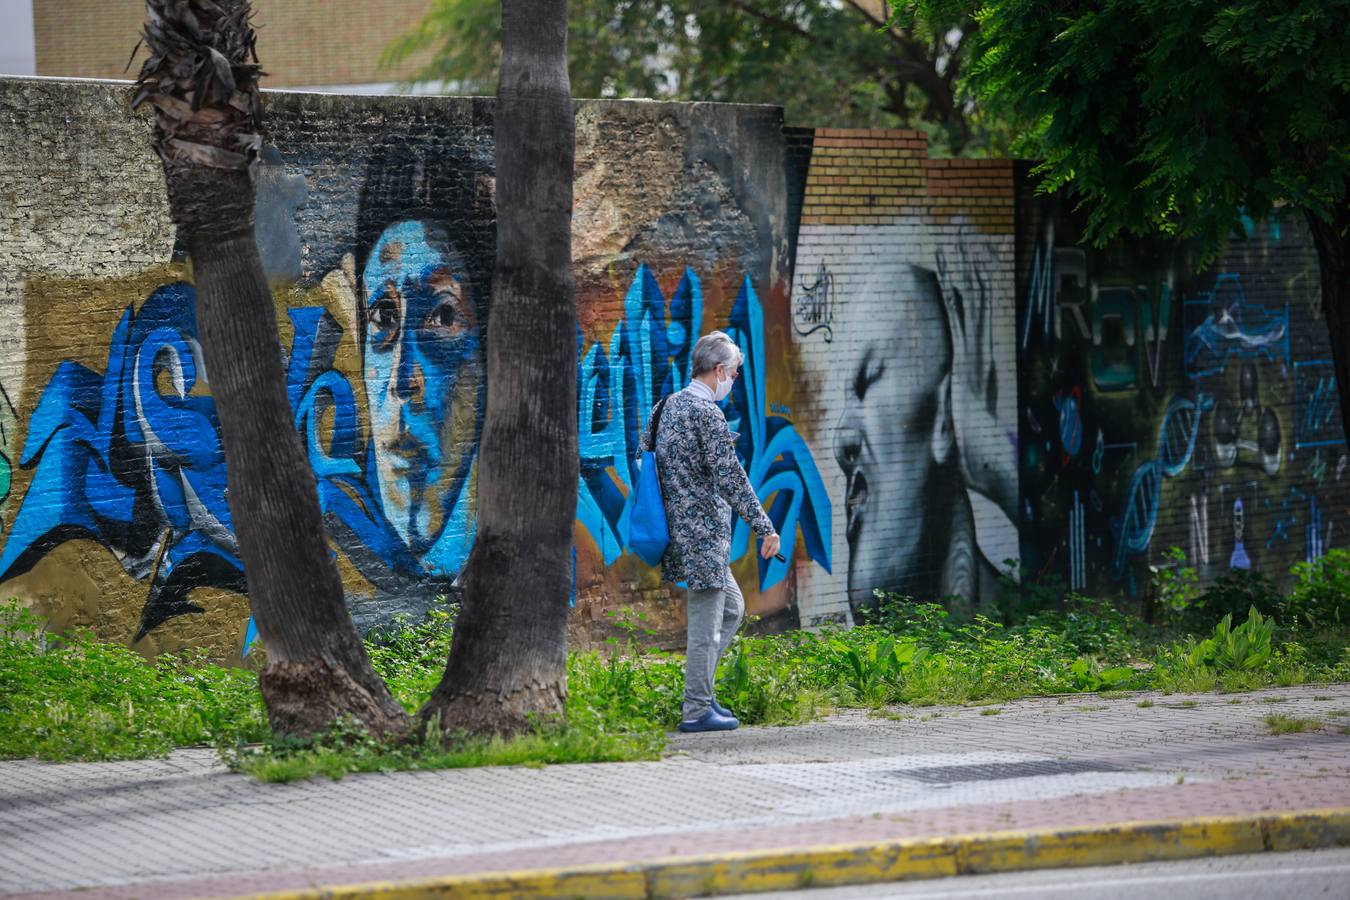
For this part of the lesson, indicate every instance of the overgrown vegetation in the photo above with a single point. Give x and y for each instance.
(75, 698)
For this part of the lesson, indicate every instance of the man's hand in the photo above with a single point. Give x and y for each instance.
(769, 546)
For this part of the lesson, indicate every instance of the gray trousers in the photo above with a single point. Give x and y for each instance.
(714, 617)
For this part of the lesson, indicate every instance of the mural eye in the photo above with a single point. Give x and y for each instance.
(383, 315)
(869, 372)
(446, 317)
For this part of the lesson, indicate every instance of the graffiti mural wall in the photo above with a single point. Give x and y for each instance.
(1164, 408)
(903, 314)
(376, 227)
(942, 386)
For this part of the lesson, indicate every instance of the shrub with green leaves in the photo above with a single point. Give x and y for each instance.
(1321, 593)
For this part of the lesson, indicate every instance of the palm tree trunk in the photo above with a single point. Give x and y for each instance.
(207, 123)
(508, 655)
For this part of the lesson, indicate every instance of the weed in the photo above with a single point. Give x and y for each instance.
(1321, 592)
(1279, 723)
(74, 697)
(1175, 585)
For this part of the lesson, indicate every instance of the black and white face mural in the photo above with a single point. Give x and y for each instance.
(915, 411)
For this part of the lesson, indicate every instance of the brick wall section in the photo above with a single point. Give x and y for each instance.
(945, 374)
(300, 42)
(890, 238)
(96, 347)
(1169, 407)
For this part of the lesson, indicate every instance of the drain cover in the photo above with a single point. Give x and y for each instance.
(999, 771)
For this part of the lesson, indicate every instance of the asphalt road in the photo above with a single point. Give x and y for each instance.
(1313, 875)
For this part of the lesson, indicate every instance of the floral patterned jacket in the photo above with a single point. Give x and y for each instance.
(701, 482)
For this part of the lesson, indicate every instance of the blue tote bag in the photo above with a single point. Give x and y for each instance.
(648, 533)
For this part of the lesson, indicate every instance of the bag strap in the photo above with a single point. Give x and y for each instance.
(656, 416)
(656, 419)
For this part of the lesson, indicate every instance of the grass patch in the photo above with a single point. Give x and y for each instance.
(1278, 723)
(72, 697)
(348, 749)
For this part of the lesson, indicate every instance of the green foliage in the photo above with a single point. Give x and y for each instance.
(73, 697)
(826, 62)
(1282, 724)
(874, 669)
(76, 698)
(347, 748)
(1321, 592)
(1241, 658)
(1183, 603)
(639, 688)
(1175, 117)
(768, 681)
(1176, 586)
(1243, 648)
(411, 656)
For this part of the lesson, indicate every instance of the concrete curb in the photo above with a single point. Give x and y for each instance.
(902, 860)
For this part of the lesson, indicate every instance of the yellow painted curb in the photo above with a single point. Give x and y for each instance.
(900, 860)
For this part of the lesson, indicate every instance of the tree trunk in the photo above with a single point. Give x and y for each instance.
(1332, 239)
(509, 652)
(317, 667)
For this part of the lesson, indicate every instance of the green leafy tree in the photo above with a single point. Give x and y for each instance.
(828, 62)
(1184, 116)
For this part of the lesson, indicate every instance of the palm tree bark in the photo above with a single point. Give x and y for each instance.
(202, 79)
(1331, 236)
(508, 656)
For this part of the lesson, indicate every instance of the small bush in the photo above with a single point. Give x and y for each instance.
(1175, 587)
(1321, 592)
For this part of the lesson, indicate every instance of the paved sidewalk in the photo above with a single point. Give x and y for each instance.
(183, 827)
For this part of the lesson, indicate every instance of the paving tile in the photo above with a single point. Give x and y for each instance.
(183, 826)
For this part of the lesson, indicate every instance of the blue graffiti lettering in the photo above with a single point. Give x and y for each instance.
(648, 358)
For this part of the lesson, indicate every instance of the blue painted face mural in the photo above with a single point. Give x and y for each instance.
(422, 363)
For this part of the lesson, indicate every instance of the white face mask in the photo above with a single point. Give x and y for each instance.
(723, 388)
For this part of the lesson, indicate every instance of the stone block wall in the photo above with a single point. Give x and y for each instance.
(939, 376)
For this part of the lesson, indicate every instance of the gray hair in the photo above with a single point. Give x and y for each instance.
(714, 349)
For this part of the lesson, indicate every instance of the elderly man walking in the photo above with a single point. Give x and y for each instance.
(702, 482)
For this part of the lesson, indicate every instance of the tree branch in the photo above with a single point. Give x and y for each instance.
(776, 21)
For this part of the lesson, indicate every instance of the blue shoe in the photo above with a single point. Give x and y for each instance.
(722, 710)
(711, 721)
